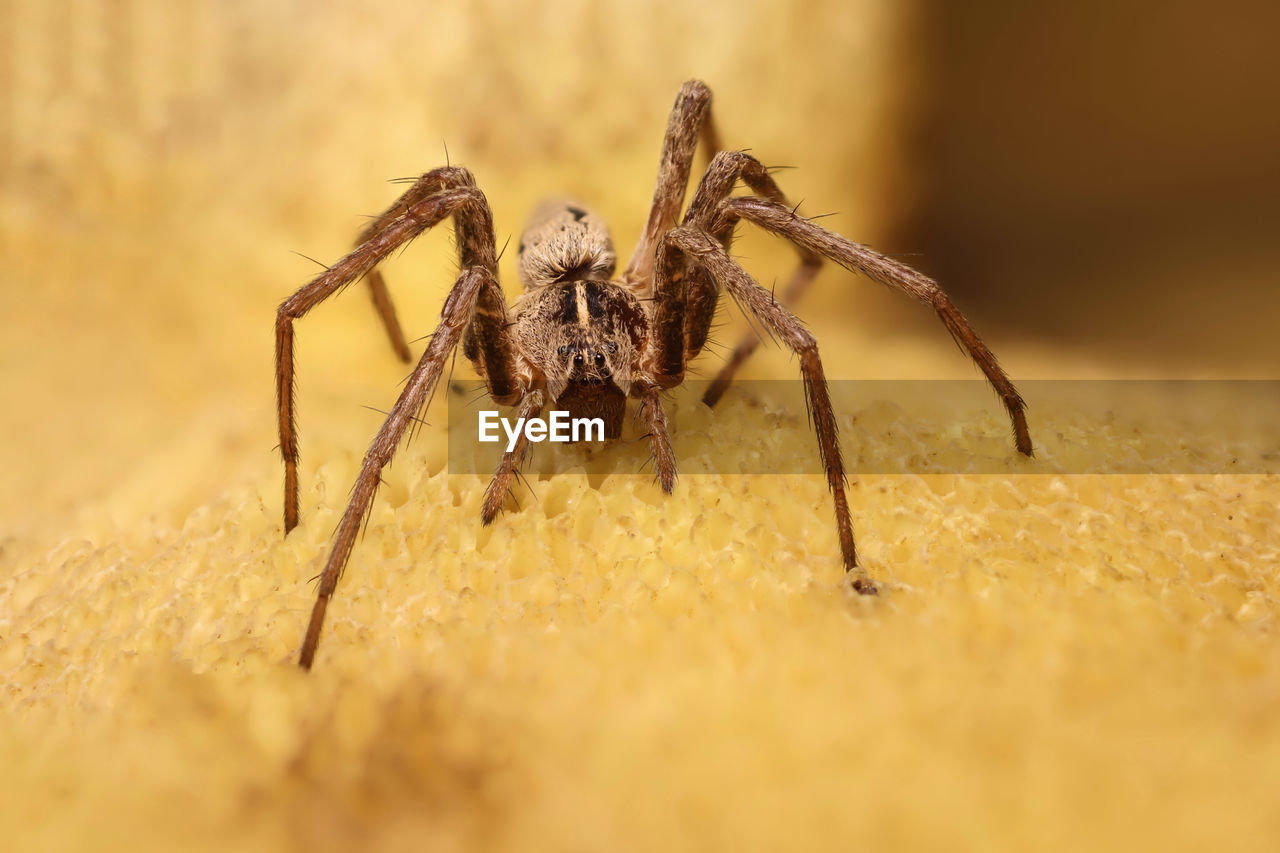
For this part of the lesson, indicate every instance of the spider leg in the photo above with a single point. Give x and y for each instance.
(509, 467)
(428, 184)
(685, 247)
(800, 280)
(784, 222)
(685, 299)
(690, 119)
(655, 420)
(418, 389)
(722, 174)
(474, 226)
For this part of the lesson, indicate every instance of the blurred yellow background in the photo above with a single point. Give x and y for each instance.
(1055, 662)
(1104, 175)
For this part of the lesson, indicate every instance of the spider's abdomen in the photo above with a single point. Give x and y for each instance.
(564, 241)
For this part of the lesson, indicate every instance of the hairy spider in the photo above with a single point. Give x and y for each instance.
(585, 341)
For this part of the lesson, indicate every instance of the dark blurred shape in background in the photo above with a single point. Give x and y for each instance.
(1105, 175)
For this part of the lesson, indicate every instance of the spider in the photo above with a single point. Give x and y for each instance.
(585, 341)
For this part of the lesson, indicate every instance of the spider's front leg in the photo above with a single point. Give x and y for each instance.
(475, 308)
(418, 390)
(665, 354)
(436, 195)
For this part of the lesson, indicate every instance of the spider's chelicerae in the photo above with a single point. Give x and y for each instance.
(585, 341)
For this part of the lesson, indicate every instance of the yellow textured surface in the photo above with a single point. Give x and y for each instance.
(1057, 662)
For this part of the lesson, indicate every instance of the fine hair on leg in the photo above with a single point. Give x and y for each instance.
(407, 411)
(689, 122)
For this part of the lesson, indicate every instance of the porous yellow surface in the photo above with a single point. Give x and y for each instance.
(1055, 662)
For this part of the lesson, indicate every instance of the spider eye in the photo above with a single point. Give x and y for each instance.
(577, 360)
(599, 359)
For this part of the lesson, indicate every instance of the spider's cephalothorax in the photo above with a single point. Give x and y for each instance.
(580, 340)
(584, 338)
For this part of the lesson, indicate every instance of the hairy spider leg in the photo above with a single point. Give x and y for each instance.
(683, 248)
(690, 120)
(475, 307)
(496, 494)
(784, 222)
(404, 413)
(450, 189)
(722, 174)
(426, 185)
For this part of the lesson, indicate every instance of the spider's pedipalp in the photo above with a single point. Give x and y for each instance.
(509, 468)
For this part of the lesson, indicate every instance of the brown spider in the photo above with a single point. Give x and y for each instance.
(585, 341)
